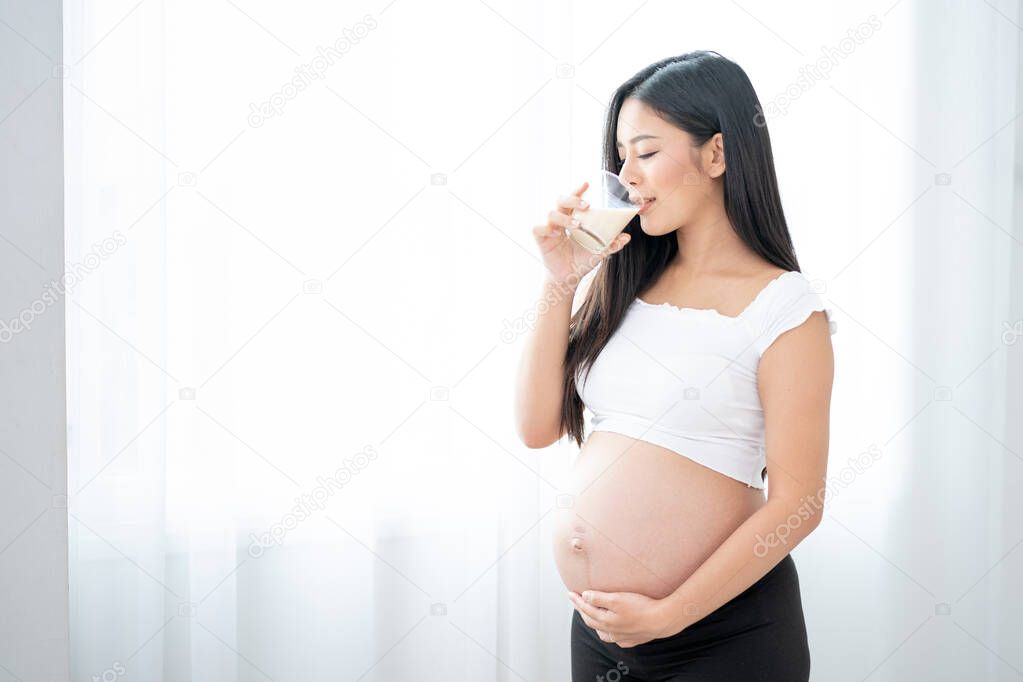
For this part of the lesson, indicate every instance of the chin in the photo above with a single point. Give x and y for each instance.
(652, 229)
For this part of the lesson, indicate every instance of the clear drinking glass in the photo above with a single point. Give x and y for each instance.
(611, 209)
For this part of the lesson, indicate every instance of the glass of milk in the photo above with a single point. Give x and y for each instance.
(611, 209)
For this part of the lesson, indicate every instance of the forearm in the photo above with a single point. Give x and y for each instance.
(540, 390)
(747, 555)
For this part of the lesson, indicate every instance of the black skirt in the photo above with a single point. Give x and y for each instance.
(758, 635)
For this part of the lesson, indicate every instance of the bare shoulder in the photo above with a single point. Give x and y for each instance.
(768, 274)
(756, 282)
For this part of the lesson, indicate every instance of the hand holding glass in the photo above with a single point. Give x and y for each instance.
(611, 209)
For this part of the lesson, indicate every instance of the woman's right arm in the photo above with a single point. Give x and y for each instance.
(539, 389)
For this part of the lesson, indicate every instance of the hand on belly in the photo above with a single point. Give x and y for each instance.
(643, 518)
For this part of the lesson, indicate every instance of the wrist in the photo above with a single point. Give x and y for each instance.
(673, 617)
(560, 286)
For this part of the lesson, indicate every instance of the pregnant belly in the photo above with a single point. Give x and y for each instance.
(643, 518)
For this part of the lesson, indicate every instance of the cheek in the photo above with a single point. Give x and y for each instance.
(682, 191)
(675, 177)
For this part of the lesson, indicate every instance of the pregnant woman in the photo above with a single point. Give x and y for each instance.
(705, 358)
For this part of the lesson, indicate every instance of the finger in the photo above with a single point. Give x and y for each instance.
(574, 200)
(566, 204)
(600, 599)
(587, 610)
(591, 622)
(616, 245)
(562, 219)
(548, 230)
(616, 639)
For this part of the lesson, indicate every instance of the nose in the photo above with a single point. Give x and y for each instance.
(631, 185)
(629, 177)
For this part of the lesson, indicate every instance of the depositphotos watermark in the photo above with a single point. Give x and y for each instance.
(111, 674)
(553, 295)
(57, 289)
(313, 71)
(308, 503)
(810, 74)
(814, 504)
(614, 674)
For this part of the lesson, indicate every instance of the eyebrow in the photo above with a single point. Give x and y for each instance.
(638, 138)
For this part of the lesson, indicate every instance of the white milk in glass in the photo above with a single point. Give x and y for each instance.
(599, 226)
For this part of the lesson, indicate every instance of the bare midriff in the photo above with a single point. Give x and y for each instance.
(642, 517)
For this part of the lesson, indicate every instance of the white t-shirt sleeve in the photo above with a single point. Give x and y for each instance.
(790, 303)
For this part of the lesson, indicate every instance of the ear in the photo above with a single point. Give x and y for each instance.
(714, 155)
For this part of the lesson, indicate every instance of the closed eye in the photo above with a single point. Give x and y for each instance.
(640, 156)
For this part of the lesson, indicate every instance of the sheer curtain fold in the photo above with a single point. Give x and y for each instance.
(280, 468)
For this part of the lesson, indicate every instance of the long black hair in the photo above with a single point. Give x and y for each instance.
(702, 93)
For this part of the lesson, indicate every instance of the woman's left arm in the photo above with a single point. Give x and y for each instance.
(795, 378)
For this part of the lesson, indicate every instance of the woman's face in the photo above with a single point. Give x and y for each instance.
(681, 178)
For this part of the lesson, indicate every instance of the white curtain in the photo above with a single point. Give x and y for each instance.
(303, 233)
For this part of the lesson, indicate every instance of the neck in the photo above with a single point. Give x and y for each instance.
(708, 244)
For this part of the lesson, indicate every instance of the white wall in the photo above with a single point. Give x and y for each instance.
(34, 643)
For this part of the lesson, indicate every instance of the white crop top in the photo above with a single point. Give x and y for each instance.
(686, 378)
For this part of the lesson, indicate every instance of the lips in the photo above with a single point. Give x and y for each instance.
(646, 206)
